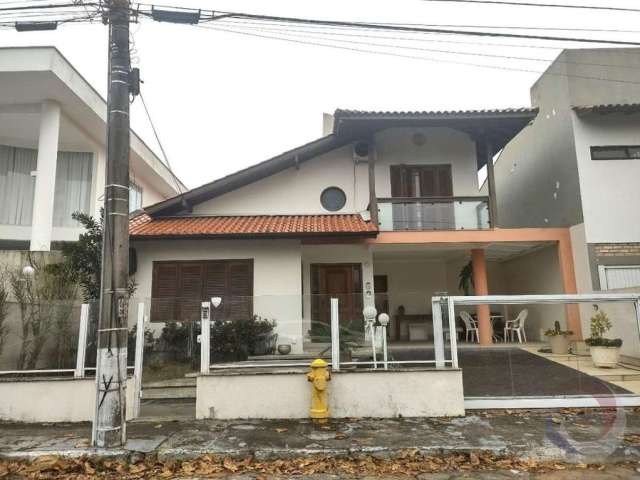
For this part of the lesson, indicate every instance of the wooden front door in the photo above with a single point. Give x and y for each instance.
(342, 281)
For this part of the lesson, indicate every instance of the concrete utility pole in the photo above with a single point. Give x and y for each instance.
(109, 425)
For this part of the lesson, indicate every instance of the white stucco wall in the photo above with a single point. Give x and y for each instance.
(276, 274)
(443, 146)
(412, 283)
(274, 194)
(52, 400)
(536, 273)
(406, 393)
(609, 188)
(297, 191)
(581, 266)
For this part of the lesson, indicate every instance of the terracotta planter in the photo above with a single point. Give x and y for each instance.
(559, 344)
(605, 357)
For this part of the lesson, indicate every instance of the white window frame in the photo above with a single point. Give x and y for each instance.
(602, 274)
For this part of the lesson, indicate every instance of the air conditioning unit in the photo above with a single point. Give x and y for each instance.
(361, 152)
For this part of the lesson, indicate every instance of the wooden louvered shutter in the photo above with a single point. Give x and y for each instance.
(428, 182)
(190, 291)
(164, 292)
(240, 289)
(445, 182)
(399, 186)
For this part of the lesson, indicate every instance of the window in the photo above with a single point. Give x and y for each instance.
(17, 185)
(135, 197)
(619, 276)
(333, 199)
(615, 152)
(178, 288)
(73, 187)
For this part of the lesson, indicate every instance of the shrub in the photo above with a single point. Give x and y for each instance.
(600, 324)
(556, 331)
(237, 339)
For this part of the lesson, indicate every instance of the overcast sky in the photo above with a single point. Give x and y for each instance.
(222, 101)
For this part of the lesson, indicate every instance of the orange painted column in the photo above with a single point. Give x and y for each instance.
(568, 275)
(481, 287)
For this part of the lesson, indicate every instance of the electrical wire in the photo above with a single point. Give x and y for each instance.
(405, 47)
(415, 57)
(545, 5)
(164, 153)
(211, 16)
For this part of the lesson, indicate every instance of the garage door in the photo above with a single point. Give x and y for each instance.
(619, 276)
(179, 287)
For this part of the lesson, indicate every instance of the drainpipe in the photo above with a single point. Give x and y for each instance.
(373, 199)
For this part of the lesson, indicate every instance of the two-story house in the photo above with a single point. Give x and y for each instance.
(577, 166)
(52, 152)
(384, 209)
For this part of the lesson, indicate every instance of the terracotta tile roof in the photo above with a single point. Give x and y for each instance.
(143, 226)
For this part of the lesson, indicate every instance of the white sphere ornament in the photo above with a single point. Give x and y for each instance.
(383, 318)
(28, 271)
(369, 312)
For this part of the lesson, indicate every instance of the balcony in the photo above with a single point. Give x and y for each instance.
(433, 213)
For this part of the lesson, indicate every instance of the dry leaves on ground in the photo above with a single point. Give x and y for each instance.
(409, 462)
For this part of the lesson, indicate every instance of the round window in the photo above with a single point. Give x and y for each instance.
(333, 199)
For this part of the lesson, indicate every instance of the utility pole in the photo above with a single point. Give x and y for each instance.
(109, 424)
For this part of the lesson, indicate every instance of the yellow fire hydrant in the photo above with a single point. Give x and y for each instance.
(319, 376)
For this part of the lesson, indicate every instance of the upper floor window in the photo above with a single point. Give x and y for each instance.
(421, 181)
(135, 197)
(615, 152)
(17, 185)
(333, 199)
(73, 187)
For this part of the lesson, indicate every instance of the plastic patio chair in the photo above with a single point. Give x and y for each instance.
(470, 325)
(516, 327)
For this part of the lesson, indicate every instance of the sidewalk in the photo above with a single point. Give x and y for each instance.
(571, 435)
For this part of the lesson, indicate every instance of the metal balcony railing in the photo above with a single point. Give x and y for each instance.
(433, 213)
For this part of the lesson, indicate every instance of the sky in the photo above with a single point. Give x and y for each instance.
(224, 100)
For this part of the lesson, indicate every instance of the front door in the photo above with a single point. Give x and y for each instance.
(342, 281)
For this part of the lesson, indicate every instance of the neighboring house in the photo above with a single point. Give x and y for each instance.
(578, 164)
(383, 210)
(52, 151)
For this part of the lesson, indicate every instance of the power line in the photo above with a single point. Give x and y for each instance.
(531, 4)
(496, 27)
(406, 47)
(217, 15)
(164, 153)
(415, 57)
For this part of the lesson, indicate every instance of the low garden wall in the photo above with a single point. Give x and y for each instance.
(61, 399)
(281, 393)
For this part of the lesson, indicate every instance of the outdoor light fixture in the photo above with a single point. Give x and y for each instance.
(189, 17)
(35, 26)
(216, 301)
(383, 318)
(28, 271)
(369, 313)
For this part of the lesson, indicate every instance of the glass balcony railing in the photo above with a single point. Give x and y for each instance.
(433, 213)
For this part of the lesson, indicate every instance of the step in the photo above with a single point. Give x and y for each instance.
(168, 393)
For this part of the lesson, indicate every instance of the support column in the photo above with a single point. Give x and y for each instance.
(568, 276)
(481, 287)
(43, 197)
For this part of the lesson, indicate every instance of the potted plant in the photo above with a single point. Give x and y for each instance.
(558, 339)
(605, 352)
